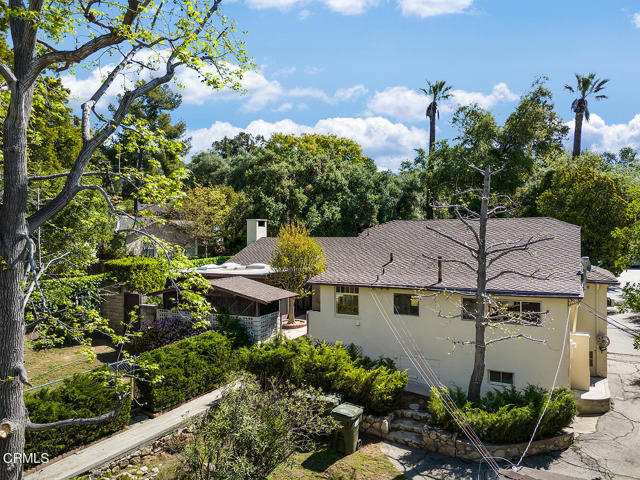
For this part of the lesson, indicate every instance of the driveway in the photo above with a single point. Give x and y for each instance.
(606, 447)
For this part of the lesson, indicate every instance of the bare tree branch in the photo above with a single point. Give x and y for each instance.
(37, 427)
(40, 178)
(511, 337)
(520, 274)
(453, 239)
(8, 75)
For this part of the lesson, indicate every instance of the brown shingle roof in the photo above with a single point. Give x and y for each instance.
(365, 260)
(601, 275)
(247, 288)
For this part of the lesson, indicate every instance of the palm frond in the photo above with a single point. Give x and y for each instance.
(587, 115)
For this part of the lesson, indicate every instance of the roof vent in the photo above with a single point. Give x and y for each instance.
(439, 269)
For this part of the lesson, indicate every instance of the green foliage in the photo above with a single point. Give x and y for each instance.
(254, 430)
(509, 415)
(139, 274)
(232, 328)
(329, 368)
(82, 396)
(296, 258)
(184, 370)
(198, 262)
(592, 200)
(67, 308)
(631, 295)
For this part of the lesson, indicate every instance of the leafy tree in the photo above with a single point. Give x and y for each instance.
(586, 86)
(631, 303)
(152, 37)
(296, 258)
(436, 91)
(532, 135)
(242, 143)
(207, 213)
(584, 197)
(253, 431)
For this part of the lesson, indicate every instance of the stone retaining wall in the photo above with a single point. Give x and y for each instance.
(455, 445)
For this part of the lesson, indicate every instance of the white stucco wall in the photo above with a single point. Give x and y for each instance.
(531, 363)
(595, 298)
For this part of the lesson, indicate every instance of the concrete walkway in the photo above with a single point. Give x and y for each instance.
(129, 440)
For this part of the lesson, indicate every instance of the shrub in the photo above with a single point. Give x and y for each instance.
(161, 332)
(198, 262)
(232, 328)
(631, 295)
(184, 370)
(83, 395)
(508, 416)
(139, 274)
(72, 305)
(330, 368)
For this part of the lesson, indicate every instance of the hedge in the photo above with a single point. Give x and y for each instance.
(330, 368)
(184, 370)
(73, 300)
(198, 262)
(139, 274)
(508, 416)
(83, 395)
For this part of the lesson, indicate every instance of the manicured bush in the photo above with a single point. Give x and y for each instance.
(83, 395)
(232, 328)
(184, 370)
(139, 274)
(71, 301)
(508, 416)
(198, 262)
(161, 332)
(330, 368)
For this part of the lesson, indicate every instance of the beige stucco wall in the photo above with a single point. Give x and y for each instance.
(531, 363)
(595, 297)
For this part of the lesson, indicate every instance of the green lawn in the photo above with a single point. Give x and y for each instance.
(368, 463)
(47, 365)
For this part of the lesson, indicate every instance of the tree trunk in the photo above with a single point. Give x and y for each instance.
(432, 131)
(577, 135)
(292, 310)
(477, 375)
(13, 250)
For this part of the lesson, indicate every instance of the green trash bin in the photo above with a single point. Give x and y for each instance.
(346, 438)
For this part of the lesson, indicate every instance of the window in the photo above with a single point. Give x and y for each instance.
(148, 249)
(525, 311)
(406, 304)
(468, 308)
(347, 300)
(500, 378)
(262, 223)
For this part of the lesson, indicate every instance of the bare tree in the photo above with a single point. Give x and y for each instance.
(488, 312)
(151, 41)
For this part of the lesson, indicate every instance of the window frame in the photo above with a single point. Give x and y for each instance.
(411, 296)
(466, 316)
(354, 293)
(501, 382)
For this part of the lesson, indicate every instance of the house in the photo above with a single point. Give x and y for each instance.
(173, 232)
(393, 269)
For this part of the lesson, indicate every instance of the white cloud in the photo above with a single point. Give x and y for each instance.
(387, 142)
(350, 7)
(420, 8)
(284, 107)
(600, 137)
(351, 93)
(409, 105)
(499, 94)
(430, 8)
(636, 19)
(312, 70)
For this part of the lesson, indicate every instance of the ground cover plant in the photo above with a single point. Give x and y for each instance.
(330, 368)
(509, 415)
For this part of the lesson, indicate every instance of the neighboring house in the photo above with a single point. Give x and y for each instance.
(174, 232)
(392, 269)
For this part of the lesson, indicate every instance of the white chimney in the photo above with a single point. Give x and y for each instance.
(256, 229)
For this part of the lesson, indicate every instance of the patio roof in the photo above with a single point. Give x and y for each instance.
(250, 289)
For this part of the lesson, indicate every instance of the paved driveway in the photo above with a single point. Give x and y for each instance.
(606, 447)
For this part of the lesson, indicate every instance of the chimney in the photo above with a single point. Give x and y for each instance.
(439, 269)
(256, 229)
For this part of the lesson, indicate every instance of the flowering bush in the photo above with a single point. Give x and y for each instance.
(161, 332)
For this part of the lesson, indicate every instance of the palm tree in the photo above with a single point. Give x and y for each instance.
(588, 85)
(436, 91)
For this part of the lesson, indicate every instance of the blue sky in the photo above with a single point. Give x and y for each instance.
(354, 67)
